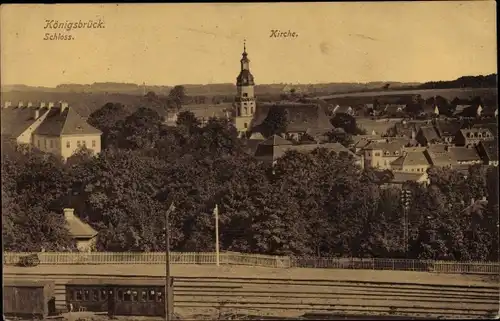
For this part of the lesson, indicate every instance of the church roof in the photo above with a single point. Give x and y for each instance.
(302, 117)
(245, 78)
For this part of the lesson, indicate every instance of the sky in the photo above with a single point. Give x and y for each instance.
(169, 44)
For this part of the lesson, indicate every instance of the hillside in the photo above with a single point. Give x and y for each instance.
(208, 89)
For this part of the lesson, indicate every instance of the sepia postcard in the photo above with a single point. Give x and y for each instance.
(250, 161)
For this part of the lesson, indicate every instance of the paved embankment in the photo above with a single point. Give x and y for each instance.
(292, 292)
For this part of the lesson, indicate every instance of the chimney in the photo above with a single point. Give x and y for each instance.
(64, 105)
(37, 113)
(69, 213)
(51, 104)
(20, 104)
(30, 104)
(7, 104)
(42, 104)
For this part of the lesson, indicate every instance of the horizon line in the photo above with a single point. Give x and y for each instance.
(230, 83)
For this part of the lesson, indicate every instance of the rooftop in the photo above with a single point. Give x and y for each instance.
(16, 120)
(491, 149)
(388, 148)
(463, 154)
(67, 122)
(413, 158)
(302, 116)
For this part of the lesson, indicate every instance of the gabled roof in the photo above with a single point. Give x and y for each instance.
(441, 159)
(474, 132)
(16, 120)
(448, 128)
(68, 122)
(301, 116)
(491, 149)
(429, 133)
(437, 148)
(492, 127)
(463, 154)
(411, 159)
(79, 229)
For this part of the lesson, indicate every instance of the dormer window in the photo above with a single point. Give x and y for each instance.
(79, 127)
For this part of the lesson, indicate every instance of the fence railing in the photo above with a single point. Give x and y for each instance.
(396, 264)
(231, 258)
(235, 258)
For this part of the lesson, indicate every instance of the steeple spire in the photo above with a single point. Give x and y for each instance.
(244, 46)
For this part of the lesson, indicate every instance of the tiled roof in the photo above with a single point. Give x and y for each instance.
(411, 159)
(491, 149)
(460, 108)
(492, 127)
(79, 229)
(448, 128)
(438, 148)
(464, 154)
(302, 116)
(475, 131)
(68, 122)
(403, 177)
(430, 133)
(441, 158)
(16, 120)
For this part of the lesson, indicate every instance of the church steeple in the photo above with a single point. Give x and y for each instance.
(245, 99)
(245, 62)
(245, 78)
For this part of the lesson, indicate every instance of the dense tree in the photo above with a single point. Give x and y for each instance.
(178, 95)
(276, 122)
(347, 123)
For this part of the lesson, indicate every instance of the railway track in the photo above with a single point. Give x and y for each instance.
(313, 296)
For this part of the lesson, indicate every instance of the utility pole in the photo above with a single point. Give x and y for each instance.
(167, 296)
(216, 212)
(405, 200)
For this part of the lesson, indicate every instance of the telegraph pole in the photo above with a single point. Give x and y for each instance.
(216, 212)
(167, 298)
(405, 200)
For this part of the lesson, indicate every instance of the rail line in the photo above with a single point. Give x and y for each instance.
(312, 296)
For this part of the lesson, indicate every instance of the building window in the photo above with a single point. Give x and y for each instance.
(45, 143)
(246, 109)
(83, 143)
(68, 145)
(38, 143)
(251, 110)
(93, 143)
(245, 95)
(78, 144)
(51, 143)
(245, 125)
(377, 154)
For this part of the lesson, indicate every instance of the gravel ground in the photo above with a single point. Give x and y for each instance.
(258, 272)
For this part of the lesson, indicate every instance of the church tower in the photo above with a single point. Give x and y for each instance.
(245, 97)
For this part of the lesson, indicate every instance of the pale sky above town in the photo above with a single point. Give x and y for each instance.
(169, 44)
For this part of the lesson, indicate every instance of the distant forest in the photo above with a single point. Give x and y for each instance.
(489, 81)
